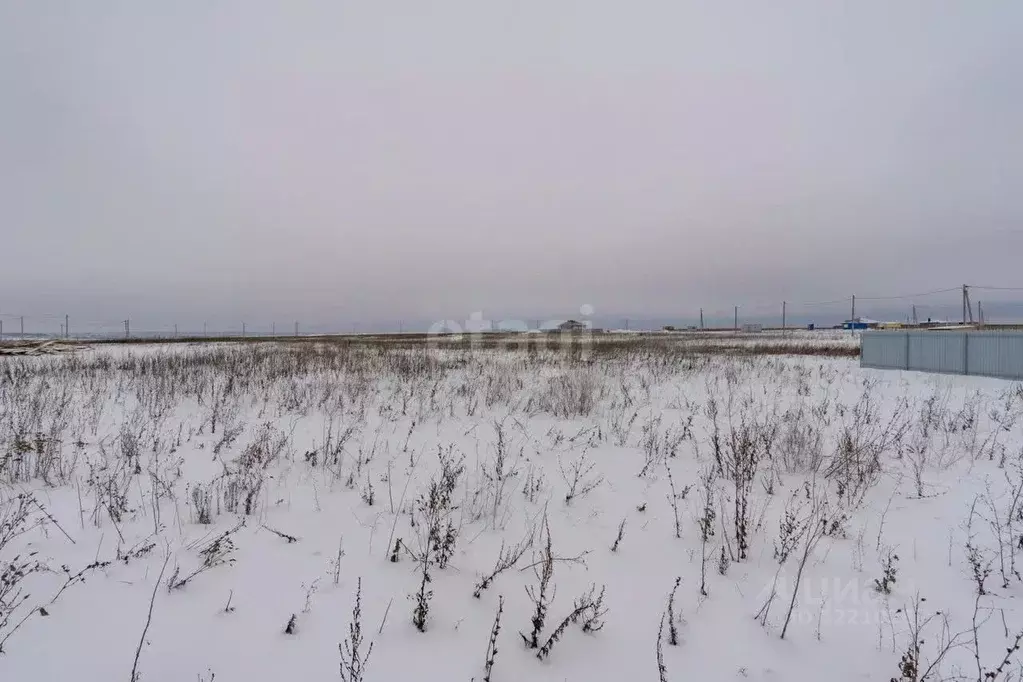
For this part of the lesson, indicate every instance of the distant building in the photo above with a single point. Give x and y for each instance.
(931, 324)
(860, 323)
(571, 326)
(752, 328)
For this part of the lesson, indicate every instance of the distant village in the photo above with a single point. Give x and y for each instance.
(854, 324)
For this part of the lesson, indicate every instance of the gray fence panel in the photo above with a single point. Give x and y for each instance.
(884, 350)
(994, 354)
(938, 352)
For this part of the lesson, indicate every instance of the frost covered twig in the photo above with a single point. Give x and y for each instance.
(353, 660)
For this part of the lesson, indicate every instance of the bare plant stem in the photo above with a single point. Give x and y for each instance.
(149, 620)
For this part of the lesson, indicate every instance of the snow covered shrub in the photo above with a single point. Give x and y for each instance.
(368, 494)
(439, 533)
(672, 621)
(268, 446)
(228, 435)
(244, 478)
(980, 566)
(202, 503)
(534, 484)
(495, 630)
(491, 497)
(800, 447)
(916, 455)
(862, 440)
(662, 669)
(36, 415)
(916, 665)
(620, 420)
(814, 529)
(540, 595)
(1005, 513)
(241, 490)
(421, 599)
(706, 519)
(589, 609)
(219, 399)
(674, 498)
(620, 536)
(216, 552)
(110, 480)
(407, 365)
(507, 559)
(335, 438)
(353, 659)
(573, 393)
(660, 445)
(435, 506)
(500, 385)
(746, 448)
(39, 457)
(791, 528)
(889, 571)
(723, 562)
(15, 515)
(579, 478)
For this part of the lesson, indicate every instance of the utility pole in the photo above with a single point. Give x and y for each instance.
(701, 319)
(784, 304)
(127, 329)
(967, 306)
(980, 315)
(736, 318)
(67, 326)
(175, 331)
(853, 317)
(23, 326)
(204, 329)
(626, 324)
(243, 329)
(915, 322)
(273, 329)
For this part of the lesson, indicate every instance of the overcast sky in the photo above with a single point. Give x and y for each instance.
(369, 161)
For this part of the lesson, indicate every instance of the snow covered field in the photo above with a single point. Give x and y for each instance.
(796, 341)
(634, 511)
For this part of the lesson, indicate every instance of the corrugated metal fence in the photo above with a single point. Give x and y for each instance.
(992, 354)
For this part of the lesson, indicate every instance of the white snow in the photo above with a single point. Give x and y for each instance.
(126, 438)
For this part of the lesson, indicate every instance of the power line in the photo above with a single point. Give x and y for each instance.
(835, 302)
(926, 293)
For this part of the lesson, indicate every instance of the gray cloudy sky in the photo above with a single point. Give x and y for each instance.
(342, 161)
